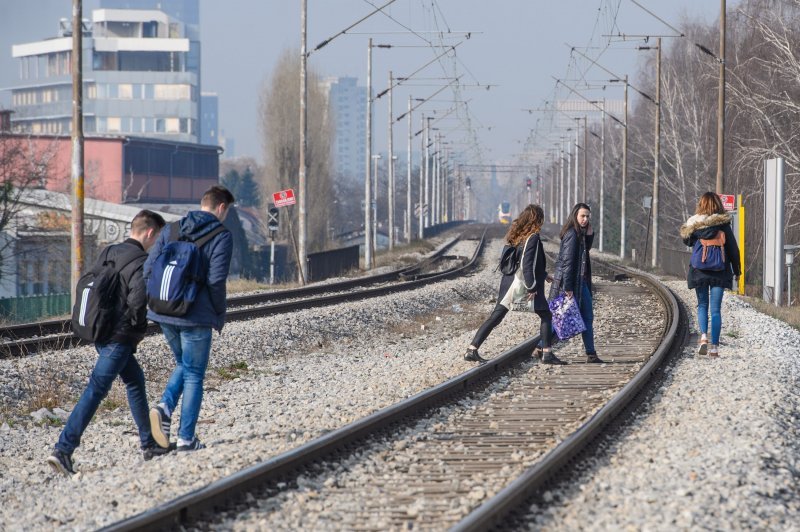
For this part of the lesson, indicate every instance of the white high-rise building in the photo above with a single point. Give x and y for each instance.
(348, 106)
(137, 78)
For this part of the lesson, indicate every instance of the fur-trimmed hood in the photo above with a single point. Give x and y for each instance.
(703, 221)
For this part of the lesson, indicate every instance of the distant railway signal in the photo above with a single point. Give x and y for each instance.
(272, 222)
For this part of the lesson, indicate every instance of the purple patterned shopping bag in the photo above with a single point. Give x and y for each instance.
(567, 320)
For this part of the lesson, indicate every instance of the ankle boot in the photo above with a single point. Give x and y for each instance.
(472, 356)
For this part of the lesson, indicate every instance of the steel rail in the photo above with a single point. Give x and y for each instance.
(222, 493)
(28, 338)
(492, 512)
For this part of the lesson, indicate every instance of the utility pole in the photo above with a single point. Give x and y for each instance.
(624, 175)
(654, 209)
(551, 205)
(577, 154)
(721, 101)
(421, 195)
(369, 260)
(301, 179)
(435, 183)
(409, 212)
(561, 199)
(76, 258)
(602, 171)
(390, 162)
(569, 178)
(585, 155)
(429, 213)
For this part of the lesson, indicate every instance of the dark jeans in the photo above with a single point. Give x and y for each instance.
(114, 360)
(488, 326)
(587, 313)
(497, 316)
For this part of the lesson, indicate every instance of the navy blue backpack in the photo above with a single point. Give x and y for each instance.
(709, 254)
(178, 273)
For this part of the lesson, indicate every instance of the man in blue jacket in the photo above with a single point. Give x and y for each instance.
(189, 336)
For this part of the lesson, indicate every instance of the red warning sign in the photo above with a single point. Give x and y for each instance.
(284, 198)
(728, 201)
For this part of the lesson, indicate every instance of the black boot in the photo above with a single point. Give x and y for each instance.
(472, 356)
(549, 358)
(592, 358)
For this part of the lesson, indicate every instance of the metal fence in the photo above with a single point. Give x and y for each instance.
(440, 228)
(675, 261)
(331, 263)
(32, 308)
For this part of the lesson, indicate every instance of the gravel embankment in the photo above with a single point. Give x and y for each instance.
(425, 476)
(718, 447)
(307, 372)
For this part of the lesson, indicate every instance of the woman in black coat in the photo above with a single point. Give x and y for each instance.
(709, 222)
(573, 271)
(524, 235)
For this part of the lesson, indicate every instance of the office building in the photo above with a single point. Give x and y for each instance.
(137, 78)
(348, 105)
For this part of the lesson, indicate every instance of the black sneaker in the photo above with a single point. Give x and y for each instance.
(61, 462)
(551, 359)
(194, 446)
(592, 358)
(472, 356)
(159, 426)
(148, 453)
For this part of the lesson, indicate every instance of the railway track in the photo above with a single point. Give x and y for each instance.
(25, 339)
(444, 457)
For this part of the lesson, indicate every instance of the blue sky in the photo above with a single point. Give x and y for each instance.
(516, 46)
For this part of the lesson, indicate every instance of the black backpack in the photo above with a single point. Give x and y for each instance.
(96, 296)
(509, 260)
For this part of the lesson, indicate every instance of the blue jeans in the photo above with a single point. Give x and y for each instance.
(716, 310)
(191, 347)
(587, 314)
(114, 360)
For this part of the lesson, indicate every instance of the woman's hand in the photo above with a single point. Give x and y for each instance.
(568, 292)
(531, 295)
(549, 279)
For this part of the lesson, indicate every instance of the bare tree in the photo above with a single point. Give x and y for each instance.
(280, 125)
(24, 164)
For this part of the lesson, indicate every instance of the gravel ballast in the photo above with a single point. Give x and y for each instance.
(717, 448)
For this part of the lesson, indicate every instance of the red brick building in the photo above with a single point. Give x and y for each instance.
(121, 169)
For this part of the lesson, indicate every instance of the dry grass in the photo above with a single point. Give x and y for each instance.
(790, 315)
(47, 390)
(228, 373)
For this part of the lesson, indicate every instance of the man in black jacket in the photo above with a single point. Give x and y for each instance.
(116, 355)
